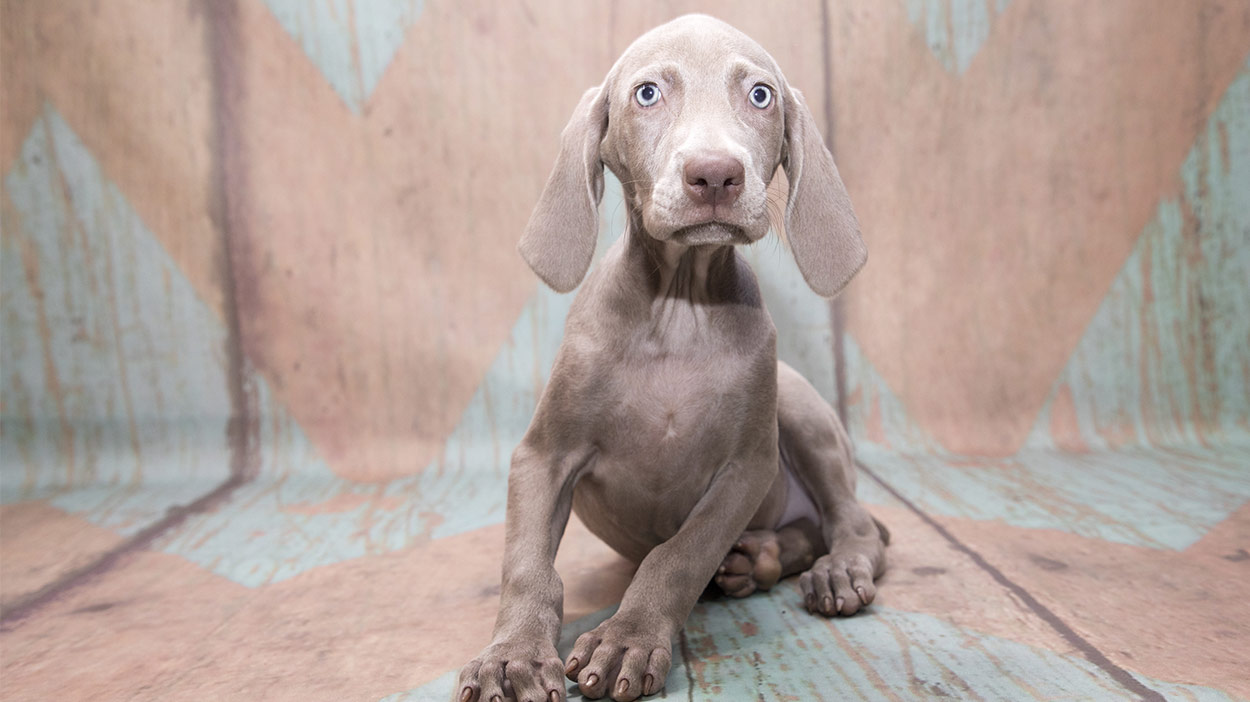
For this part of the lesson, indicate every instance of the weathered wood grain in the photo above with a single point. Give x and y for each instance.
(1047, 354)
(998, 204)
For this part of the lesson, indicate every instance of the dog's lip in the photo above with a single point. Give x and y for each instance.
(710, 232)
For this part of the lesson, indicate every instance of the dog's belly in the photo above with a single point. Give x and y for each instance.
(632, 516)
(634, 513)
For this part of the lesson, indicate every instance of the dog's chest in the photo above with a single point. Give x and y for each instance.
(672, 403)
(668, 423)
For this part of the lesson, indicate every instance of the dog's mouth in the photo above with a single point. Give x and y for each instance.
(710, 233)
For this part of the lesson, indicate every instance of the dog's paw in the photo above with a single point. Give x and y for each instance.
(754, 563)
(621, 659)
(842, 581)
(520, 671)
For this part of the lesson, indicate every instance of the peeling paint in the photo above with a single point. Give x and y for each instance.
(955, 29)
(350, 41)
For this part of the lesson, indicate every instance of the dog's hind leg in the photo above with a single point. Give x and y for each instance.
(761, 557)
(840, 580)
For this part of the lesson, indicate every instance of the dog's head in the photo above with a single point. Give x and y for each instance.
(694, 120)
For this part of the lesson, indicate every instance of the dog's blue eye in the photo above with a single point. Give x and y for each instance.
(761, 96)
(647, 94)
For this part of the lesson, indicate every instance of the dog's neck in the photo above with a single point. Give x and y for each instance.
(681, 291)
(696, 275)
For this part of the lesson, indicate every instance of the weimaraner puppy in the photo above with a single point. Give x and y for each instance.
(668, 424)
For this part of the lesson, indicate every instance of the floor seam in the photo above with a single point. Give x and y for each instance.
(685, 664)
(1087, 649)
(174, 516)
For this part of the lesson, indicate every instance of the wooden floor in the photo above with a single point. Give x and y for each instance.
(291, 587)
(267, 346)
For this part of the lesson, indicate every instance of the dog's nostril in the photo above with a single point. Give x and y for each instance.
(714, 178)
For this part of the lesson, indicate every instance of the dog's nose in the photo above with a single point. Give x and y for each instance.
(714, 179)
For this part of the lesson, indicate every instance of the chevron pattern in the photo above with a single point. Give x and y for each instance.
(267, 347)
(352, 43)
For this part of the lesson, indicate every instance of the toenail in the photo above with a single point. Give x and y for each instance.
(863, 597)
(840, 603)
(827, 603)
(553, 696)
(571, 667)
(648, 684)
(622, 687)
(466, 693)
(592, 680)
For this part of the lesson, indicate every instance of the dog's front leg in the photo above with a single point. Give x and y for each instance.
(521, 662)
(629, 654)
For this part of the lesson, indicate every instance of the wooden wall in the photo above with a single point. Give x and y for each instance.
(258, 266)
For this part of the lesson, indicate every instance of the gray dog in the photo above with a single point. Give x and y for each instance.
(668, 424)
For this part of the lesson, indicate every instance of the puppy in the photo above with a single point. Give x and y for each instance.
(668, 424)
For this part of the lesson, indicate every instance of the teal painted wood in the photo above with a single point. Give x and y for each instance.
(1158, 497)
(350, 41)
(955, 30)
(1160, 382)
(1166, 359)
(1143, 496)
(114, 372)
(767, 647)
(876, 418)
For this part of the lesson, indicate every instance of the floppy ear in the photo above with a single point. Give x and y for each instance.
(821, 226)
(559, 240)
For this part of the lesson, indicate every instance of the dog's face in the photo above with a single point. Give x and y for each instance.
(696, 137)
(694, 119)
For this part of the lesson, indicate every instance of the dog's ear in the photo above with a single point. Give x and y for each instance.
(820, 224)
(559, 240)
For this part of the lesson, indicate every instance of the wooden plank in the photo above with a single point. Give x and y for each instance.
(42, 544)
(1180, 616)
(163, 628)
(1145, 497)
(763, 647)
